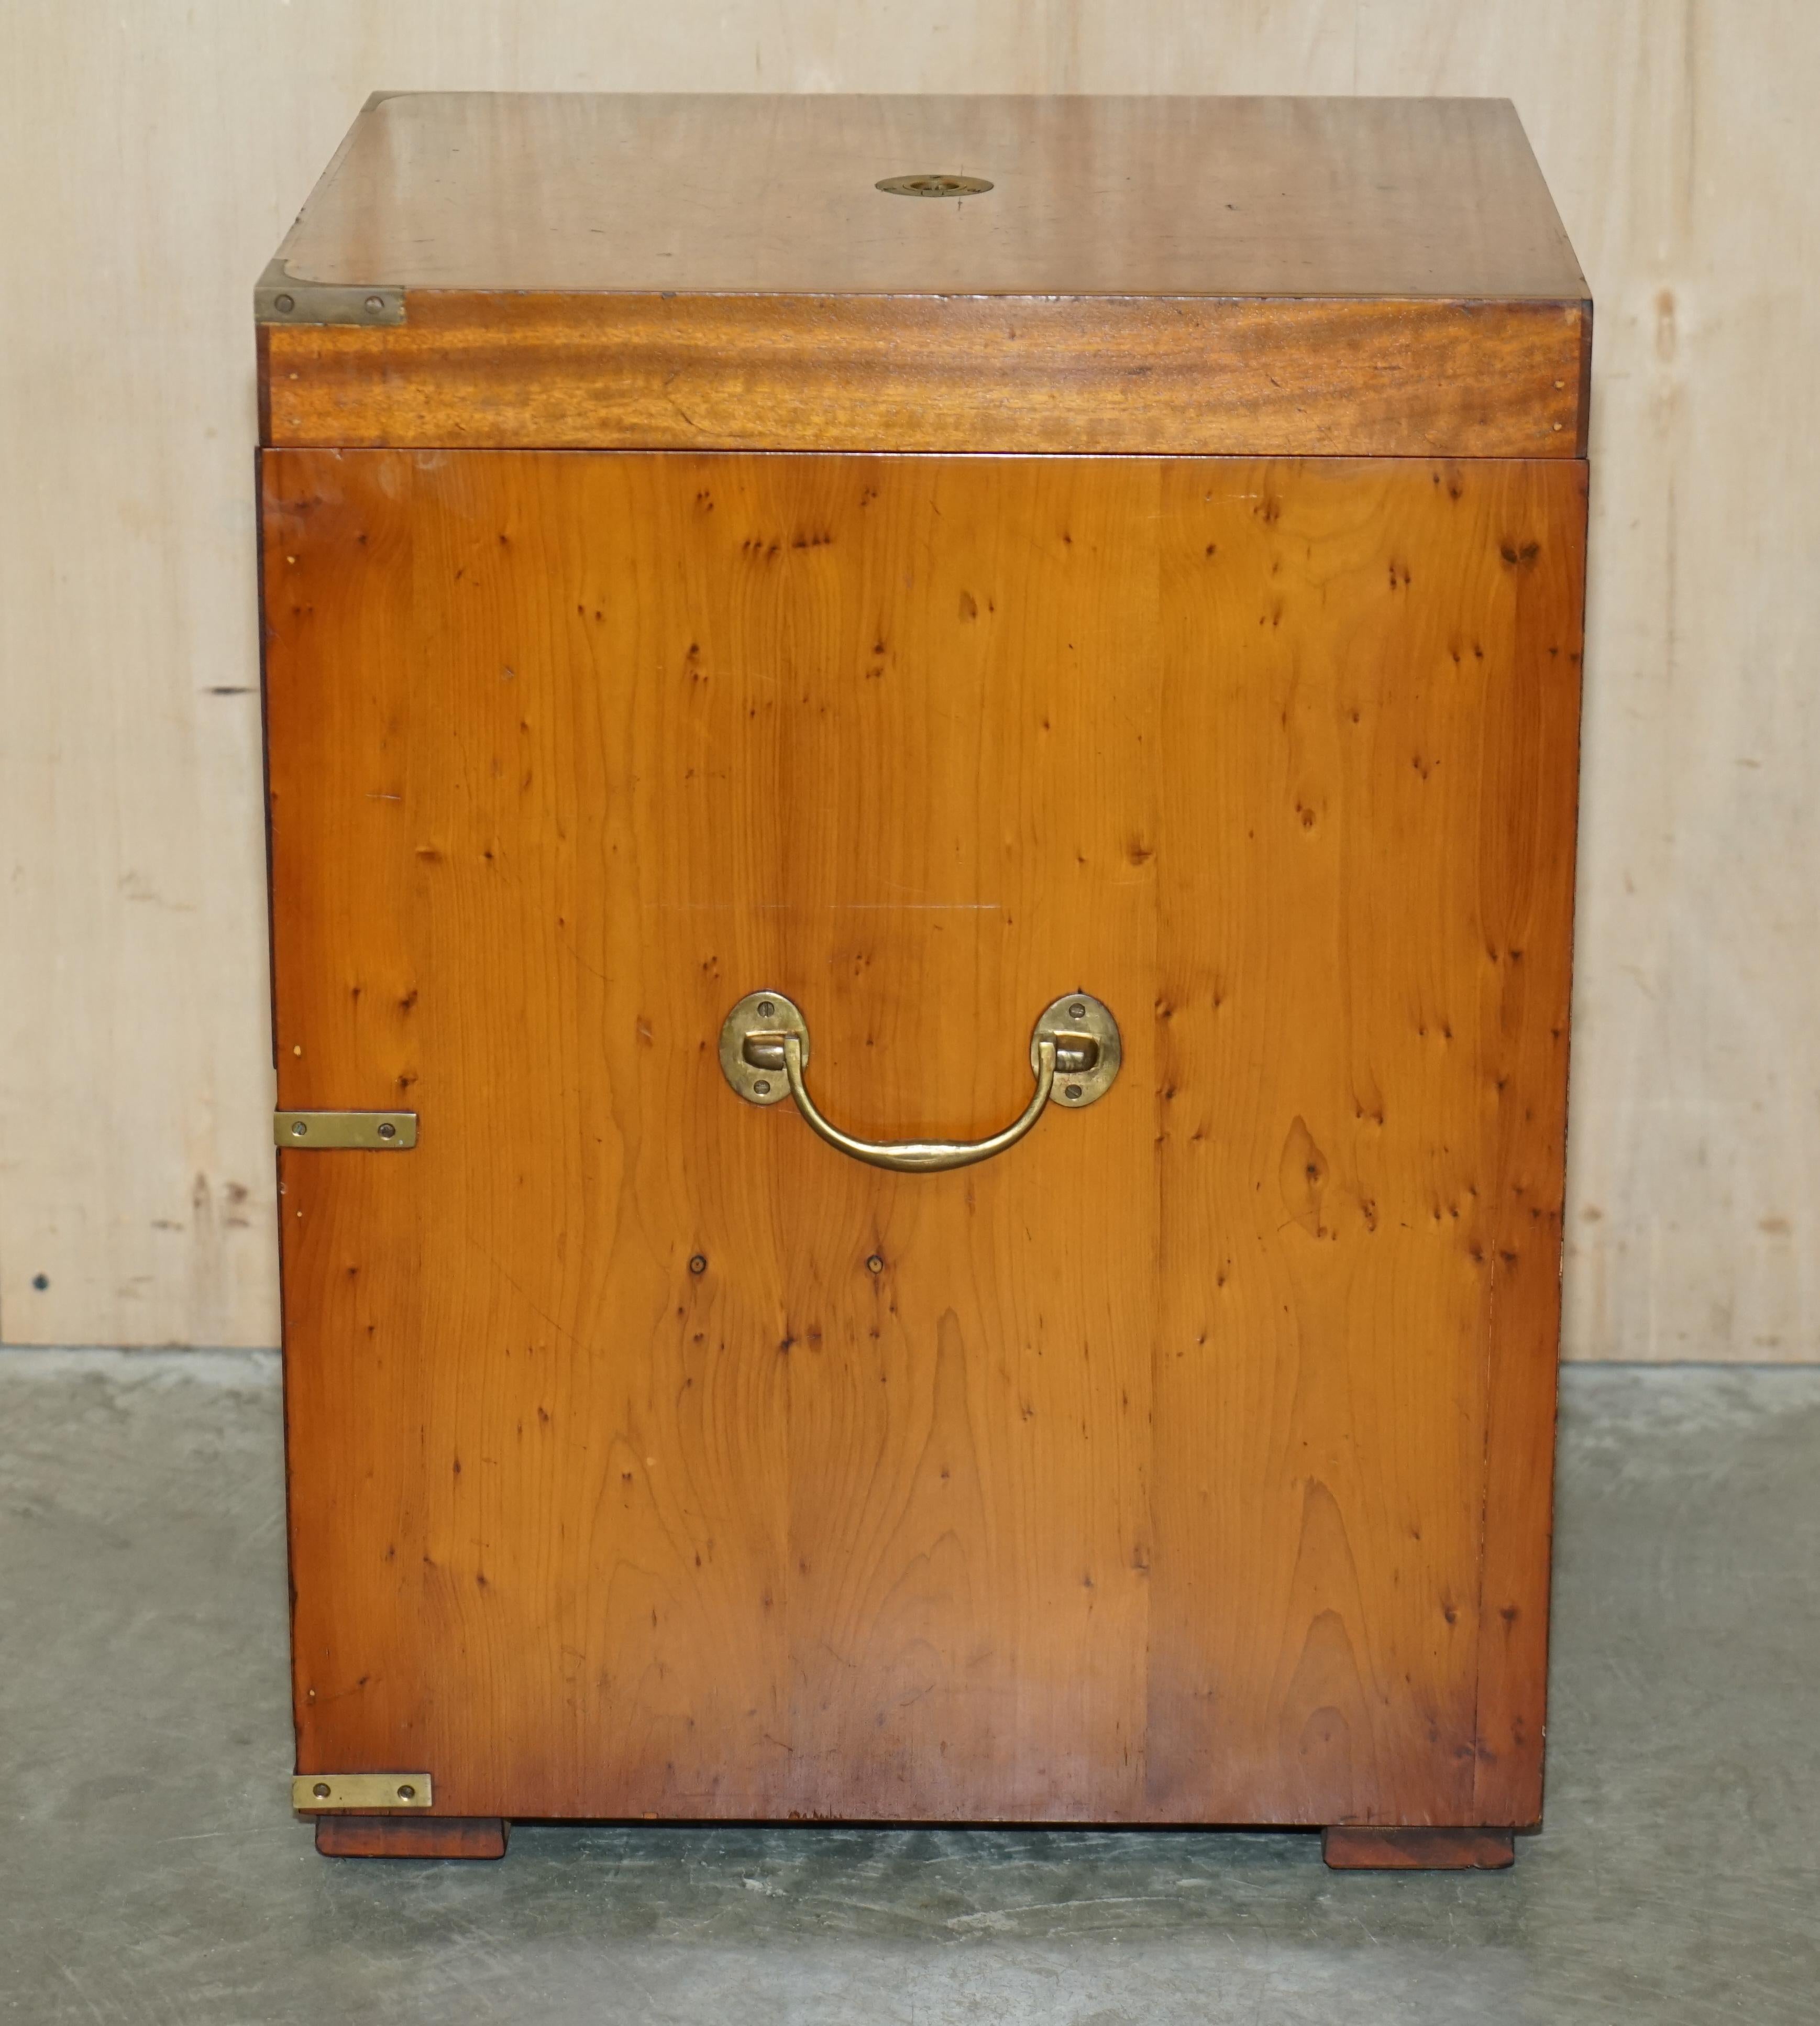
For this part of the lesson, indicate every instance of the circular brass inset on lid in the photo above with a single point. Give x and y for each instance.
(934, 185)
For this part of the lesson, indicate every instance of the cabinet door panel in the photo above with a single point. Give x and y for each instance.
(1143, 1474)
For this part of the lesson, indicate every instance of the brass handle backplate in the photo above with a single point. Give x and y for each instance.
(1074, 1052)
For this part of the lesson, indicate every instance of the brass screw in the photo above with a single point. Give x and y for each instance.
(388, 1130)
(765, 1009)
(762, 1088)
(1077, 1011)
(1074, 1090)
(284, 304)
(408, 1793)
(375, 303)
(697, 1264)
(299, 1129)
(321, 1790)
(874, 1265)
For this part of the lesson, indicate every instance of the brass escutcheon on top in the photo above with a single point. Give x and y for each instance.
(1074, 1052)
(934, 185)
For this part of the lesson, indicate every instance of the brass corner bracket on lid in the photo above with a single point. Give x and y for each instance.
(280, 296)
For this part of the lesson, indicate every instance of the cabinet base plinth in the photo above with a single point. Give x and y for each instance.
(1362, 1849)
(411, 1835)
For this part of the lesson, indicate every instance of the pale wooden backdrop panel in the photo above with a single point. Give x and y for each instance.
(150, 158)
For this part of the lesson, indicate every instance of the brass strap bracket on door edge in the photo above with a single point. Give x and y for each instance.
(1074, 1052)
(311, 1792)
(323, 1131)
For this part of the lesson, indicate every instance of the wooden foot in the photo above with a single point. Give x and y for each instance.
(411, 1835)
(1418, 1850)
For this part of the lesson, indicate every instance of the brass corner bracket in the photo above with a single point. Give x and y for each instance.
(280, 296)
(324, 1131)
(312, 1792)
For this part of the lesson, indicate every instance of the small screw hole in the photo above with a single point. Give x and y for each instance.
(874, 1265)
(321, 1790)
(697, 1264)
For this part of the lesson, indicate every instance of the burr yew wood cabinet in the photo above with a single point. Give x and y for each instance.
(922, 760)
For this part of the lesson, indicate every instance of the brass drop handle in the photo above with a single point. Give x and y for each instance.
(1074, 1052)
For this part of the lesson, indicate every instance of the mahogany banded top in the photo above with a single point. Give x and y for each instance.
(1300, 275)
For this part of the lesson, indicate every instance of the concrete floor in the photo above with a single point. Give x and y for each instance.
(152, 1870)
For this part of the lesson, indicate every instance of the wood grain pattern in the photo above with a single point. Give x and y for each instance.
(1274, 276)
(774, 194)
(1146, 1479)
(1364, 992)
(1418, 1849)
(658, 733)
(1085, 374)
(1526, 854)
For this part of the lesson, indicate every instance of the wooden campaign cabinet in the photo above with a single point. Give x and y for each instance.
(923, 773)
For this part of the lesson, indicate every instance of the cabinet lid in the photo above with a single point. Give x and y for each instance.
(491, 252)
